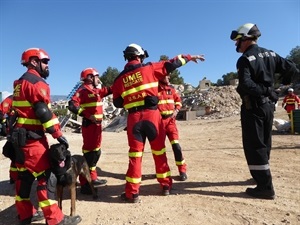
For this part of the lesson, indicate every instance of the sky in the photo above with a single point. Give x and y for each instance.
(93, 33)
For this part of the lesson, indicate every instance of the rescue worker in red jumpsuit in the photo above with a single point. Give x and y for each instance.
(87, 102)
(289, 102)
(5, 113)
(256, 72)
(31, 101)
(169, 105)
(136, 89)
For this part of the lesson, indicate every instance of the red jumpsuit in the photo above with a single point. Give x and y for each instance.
(88, 102)
(169, 101)
(6, 109)
(28, 90)
(290, 101)
(136, 89)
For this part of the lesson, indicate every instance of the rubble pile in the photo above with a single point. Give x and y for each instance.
(213, 103)
(218, 102)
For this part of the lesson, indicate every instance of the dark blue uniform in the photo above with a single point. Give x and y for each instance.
(256, 71)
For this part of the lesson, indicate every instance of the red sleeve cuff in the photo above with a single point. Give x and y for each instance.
(189, 57)
(56, 134)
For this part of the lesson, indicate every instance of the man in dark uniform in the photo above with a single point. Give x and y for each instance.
(256, 68)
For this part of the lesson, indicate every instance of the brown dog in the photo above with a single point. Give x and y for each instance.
(67, 168)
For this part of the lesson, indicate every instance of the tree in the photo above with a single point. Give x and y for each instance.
(295, 56)
(219, 82)
(109, 76)
(229, 76)
(175, 75)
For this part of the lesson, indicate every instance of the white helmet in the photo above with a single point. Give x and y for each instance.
(291, 89)
(246, 31)
(135, 50)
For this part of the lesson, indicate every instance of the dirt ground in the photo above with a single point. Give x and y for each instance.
(214, 192)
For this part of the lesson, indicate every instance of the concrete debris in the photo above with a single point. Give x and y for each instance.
(214, 103)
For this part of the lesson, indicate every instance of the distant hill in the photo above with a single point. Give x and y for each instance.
(55, 98)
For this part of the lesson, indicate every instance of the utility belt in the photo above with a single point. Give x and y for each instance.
(20, 135)
(18, 138)
(86, 122)
(252, 103)
(166, 116)
(141, 108)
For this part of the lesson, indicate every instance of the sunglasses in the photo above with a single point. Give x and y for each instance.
(45, 61)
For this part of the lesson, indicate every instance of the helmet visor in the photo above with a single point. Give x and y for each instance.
(235, 35)
(146, 54)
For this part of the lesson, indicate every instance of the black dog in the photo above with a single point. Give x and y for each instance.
(67, 168)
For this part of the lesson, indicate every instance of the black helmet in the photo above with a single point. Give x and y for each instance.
(133, 50)
(246, 31)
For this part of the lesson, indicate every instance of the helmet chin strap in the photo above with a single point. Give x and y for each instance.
(239, 45)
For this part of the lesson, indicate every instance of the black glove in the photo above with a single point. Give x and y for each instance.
(273, 95)
(63, 140)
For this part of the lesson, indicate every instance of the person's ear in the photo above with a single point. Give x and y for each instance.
(33, 62)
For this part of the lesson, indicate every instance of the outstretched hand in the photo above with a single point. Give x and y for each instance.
(199, 57)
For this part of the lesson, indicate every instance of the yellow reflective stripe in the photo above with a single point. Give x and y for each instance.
(46, 203)
(134, 104)
(14, 169)
(80, 110)
(135, 154)
(21, 104)
(91, 104)
(19, 199)
(178, 103)
(174, 142)
(133, 180)
(92, 168)
(159, 152)
(167, 101)
(98, 116)
(21, 169)
(166, 112)
(94, 150)
(182, 60)
(163, 175)
(37, 174)
(29, 121)
(139, 88)
(50, 123)
(180, 163)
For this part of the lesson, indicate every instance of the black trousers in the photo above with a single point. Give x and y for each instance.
(257, 142)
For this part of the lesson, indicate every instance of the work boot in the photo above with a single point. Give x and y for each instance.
(258, 193)
(135, 198)
(182, 176)
(86, 189)
(70, 220)
(165, 190)
(38, 216)
(99, 182)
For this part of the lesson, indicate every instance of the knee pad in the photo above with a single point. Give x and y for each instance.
(92, 157)
(26, 182)
(177, 152)
(51, 181)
